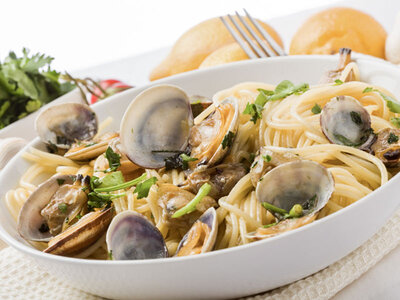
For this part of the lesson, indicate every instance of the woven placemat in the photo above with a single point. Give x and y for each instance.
(21, 278)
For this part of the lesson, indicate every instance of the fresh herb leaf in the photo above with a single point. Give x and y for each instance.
(254, 110)
(143, 188)
(270, 225)
(392, 138)
(395, 121)
(356, 118)
(186, 159)
(191, 206)
(63, 207)
(112, 179)
(90, 144)
(368, 89)
(228, 140)
(94, 182)
(338, 82)
(345, 141)
(60, 181)
(267, 158)
(316, 109)
(113, 159)
(120, 186)
(98, 200)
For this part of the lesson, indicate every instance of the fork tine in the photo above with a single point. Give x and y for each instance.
(266, 35)
(238, 39)
(261, 43)
(247, 38)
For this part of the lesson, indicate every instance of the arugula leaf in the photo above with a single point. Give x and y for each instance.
(316, 109)
(143, 188)
(113, 159)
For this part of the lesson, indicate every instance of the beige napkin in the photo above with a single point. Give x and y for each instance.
(21, 278)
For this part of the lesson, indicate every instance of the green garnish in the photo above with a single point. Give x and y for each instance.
(270, 225)
(143, 188)
(296, 211)
(94, 182)
(186, 159)
(345, 141)
(98, 200)
(395, 121)
(274, 209)
(113, 160)
(282, 90)
(338, 82)
(62, 207)
(356, 118)
(111, 179)
(91, 144)
(316, 109)
(60, 181)
(392, 104)
(26, 84)
(228, 140)
(310, 203)
(392, 138)
(110, 256)
(191, 206)
(120, 186)
(252, 156)
(267, 158)
(78, 216)
(368, 89)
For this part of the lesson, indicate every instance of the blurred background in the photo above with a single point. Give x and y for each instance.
(82, 34)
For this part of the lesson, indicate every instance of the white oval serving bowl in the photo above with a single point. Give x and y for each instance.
(242, 270)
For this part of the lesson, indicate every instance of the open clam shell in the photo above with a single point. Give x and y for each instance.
(301, 182)
(212, 138)
(202, 236)
(131, 236)
(156, 125)
(66, 123)
(30, 222)
(344, 121)
(387, 146)
(81, 235)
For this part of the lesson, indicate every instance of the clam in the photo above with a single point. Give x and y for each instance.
(266, 160)
(302, 182)
(131, 236)
(172, 198)
(344, 121)
(201, 237)
(222, 179)
(344, 60)
(87, 150)
(63, 124)
(199, 104)
(31, 224)
(158, 124)
(82, 234)
(387, 146)
(211, 139)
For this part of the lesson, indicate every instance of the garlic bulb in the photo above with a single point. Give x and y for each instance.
(8, 148)
(393, 43)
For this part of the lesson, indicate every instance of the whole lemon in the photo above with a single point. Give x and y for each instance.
(329, 30)
(196, 44)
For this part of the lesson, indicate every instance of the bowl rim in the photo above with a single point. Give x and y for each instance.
(30, 250)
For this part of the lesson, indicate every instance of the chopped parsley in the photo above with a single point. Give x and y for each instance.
(267, 158)
(270, 225)
(191, 206)
(345, 141)
(186, 159)
(228, 140)
(368, 90)
(60, 181)
(282, 90)
(356, 118)
(395, 121)
(98, 200)
(62, 207)
(392, 138)
(310, 203)
(316, 109)
(113, 160)
(110, 255)
(338, 82)
(89, 145)
(143, 188)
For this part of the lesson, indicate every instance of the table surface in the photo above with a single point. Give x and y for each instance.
(382, 281)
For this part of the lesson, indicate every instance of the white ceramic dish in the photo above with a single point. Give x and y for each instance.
(239, 271)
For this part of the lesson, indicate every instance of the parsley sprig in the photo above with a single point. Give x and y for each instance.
(391, 103)
(282, 90)
(113, 160)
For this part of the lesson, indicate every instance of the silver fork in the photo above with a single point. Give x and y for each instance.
(261, 47)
